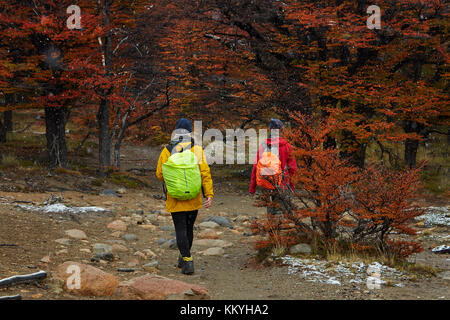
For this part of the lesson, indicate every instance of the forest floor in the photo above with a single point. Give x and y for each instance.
(233, 274)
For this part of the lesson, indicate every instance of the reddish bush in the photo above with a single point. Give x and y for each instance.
(337, 201)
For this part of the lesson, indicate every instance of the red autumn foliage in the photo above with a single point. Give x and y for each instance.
(336, 201)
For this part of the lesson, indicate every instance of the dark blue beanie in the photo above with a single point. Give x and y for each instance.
(276, 124)
(184, 123)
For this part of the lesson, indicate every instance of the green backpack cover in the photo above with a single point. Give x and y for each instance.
(182, 175)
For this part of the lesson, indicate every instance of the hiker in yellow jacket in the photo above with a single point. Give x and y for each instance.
(184, 212)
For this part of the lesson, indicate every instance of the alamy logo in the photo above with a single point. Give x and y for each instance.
(237, 147)
(374, 20)
(374, 278)
(74, 280)
(74, 20)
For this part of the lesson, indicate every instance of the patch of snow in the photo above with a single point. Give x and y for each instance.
(61, 208)
(436, 216)
(313, 270)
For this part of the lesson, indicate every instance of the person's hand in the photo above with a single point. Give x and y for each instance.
(208, 202)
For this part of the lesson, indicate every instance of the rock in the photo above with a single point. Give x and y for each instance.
(155, 287)
(209, 225)
(101, 248)
(167, 228)
(241, 218)
(152, 264)
(133, 262)
(85, 250)
(76, 234)
(45, 259)
(130, 237)
(149, 253)
(116, 241)
(212, 243)
(148, 227)
(117, 225)
(119, 248)
(121, 191)
(117, 234)
(208, 234)
(109, 193)
(300, 248)
(140, 254)
(63, 251)
(444, 275)
(161, 241)
(170, 244)
(216, 251)
(63, 241)
(222, 221)
(103, 257)
(92, 281)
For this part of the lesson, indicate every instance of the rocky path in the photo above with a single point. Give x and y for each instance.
(126, 239)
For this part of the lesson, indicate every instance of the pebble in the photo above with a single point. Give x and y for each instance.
(46, 259)
(63, 241)
(222, 221)
(130, 237)
(209, 225)
(76, 234)
(215, 251)
(101, 248)
(167, 228)
(109, 193)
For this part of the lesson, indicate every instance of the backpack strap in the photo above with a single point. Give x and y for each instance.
(173, 144)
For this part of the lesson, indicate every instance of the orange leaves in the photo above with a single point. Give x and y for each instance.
(369, 206)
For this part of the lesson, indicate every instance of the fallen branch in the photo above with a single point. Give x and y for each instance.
(14, 280)
(8, 245)
(16, 297)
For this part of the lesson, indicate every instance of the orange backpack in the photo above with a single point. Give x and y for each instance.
(268, 170)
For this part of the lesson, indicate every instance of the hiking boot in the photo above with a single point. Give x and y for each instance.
(187, 267)
(180, 262)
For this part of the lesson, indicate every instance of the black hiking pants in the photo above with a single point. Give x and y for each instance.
(184, 229)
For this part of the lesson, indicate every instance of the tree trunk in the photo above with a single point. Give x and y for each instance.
(104, 136)
(352, 149)
(410, 126)
(103, 116)
(6, 124)
(7, 120)
(55, 132)
(2, 132)
(411, 147)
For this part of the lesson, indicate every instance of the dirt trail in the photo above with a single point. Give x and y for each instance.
(232, 275)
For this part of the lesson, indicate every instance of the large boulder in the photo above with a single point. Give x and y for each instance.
(155, 287)
(93, 281)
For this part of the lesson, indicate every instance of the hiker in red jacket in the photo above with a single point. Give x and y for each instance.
(288, 163)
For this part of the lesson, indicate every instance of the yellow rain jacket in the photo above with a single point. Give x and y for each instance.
(175, 205)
